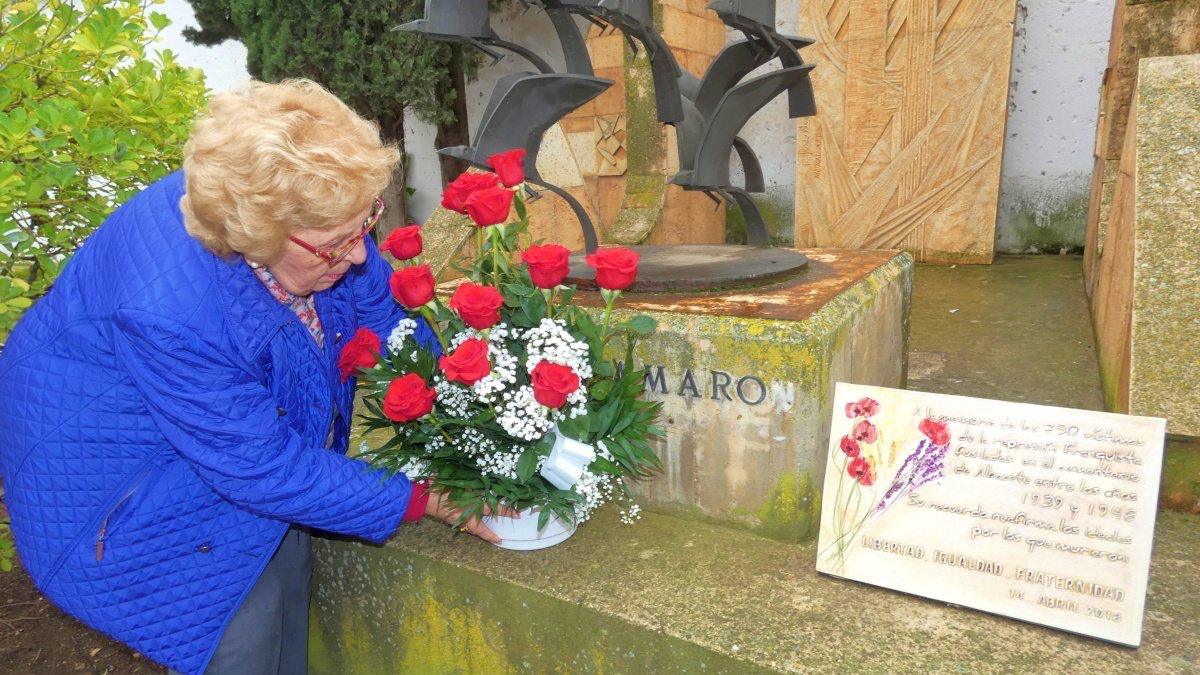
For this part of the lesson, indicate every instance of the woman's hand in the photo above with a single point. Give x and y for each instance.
(441, 508)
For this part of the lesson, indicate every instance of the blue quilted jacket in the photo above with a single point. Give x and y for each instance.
(163, 419)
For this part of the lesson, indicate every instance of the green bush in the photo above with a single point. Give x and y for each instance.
(7, 551)
(89, 115)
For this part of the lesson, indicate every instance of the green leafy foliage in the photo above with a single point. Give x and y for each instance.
(349, 47)
(88, 117)
(7, 551)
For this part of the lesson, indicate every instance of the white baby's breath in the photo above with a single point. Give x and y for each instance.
(404, 329)
(522, 416)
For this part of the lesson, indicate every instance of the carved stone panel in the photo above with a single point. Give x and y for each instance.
(905, 149)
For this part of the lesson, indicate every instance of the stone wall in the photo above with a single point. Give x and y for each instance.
(1140, 29)
(1146, 266)
(1059, 52)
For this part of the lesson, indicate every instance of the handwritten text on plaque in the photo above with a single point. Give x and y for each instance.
(1042, 514)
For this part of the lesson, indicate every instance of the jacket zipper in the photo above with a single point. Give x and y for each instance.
(102, 534)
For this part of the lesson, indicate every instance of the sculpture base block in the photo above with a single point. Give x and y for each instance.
(746, 379)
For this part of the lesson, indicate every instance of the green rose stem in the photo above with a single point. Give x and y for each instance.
(426, 311)
(497, 236)
(436, 425)
(610, 297)
(479, 254)
(548, 294)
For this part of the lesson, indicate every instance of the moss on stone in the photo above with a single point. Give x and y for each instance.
(792, 511)
(1058, 231)
(645, 149)
(392, 611)
(1181, 476)
(672, 595)
(778, 212)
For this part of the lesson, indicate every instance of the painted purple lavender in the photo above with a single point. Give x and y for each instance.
(923, 465)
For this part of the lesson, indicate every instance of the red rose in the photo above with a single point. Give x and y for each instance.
(404, 243)
(478, 305)
(412, 286)
(454, 196)
(553, 383)
(616, 268)
(510, 166)
(865, 432)
(489, 206)
(937, 432)
(861, 471)
(548, 264)
(408, 398)
(359, 352)
(468, 364)
(850, 446)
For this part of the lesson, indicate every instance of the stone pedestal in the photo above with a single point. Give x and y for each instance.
(746, 378)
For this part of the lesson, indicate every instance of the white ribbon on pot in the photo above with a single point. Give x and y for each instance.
(568, 460)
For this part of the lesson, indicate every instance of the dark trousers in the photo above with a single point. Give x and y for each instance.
(269, 633)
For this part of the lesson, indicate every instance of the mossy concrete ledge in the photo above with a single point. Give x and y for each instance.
(746, 378)
(672, 595)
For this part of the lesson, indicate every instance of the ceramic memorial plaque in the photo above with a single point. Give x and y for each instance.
(1037, 513)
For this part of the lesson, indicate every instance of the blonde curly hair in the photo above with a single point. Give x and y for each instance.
(268, 158)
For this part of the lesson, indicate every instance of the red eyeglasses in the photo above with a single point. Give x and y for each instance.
(334, 256)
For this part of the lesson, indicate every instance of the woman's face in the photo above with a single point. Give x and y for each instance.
(302, 272)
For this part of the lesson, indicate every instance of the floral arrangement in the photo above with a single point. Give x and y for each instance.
(522, 407)
(859, 461)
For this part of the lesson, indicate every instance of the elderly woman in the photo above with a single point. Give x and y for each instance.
(172, 420)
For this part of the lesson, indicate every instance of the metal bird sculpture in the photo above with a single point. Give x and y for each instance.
(707, 112)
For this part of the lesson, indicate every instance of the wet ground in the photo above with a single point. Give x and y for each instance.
(1020, 330)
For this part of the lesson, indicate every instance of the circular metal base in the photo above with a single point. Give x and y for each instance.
(665, 269)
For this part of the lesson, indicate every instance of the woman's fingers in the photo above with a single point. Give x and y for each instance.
(476, 527)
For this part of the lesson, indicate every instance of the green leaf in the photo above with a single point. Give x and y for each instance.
(601, 389)
(159, 20)
(641, 324)
(527, 463)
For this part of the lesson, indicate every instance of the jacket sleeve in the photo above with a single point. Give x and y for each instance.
(226, 424)
(376, 307)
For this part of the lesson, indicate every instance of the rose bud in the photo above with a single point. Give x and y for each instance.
(489, 206)
(477, 304)
(468, 363)
(553, 383)
(412, 286)
(454, 196)
(616, 268)
(359, 352)
(404, 243)
(408, 398)
(510, 166)
(548, 264)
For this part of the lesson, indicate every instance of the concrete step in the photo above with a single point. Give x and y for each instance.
(671, 595)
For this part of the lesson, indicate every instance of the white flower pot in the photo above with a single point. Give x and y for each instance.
(521, 534)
